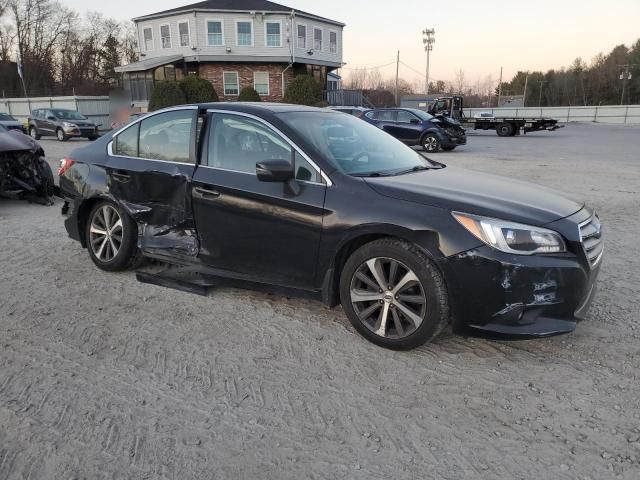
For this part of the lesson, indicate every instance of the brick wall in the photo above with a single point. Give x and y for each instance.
(213, 72)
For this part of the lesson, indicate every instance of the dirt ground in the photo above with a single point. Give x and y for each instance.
(102, 377)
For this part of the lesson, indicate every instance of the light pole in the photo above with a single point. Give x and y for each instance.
(428, 39)
(625, 76)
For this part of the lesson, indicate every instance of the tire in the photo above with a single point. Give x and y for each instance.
(61, 136)
(431, 143)
(417, 310)
(33, 133)
(505, 129)
(48, 182)
(101, 247)
(449, 148)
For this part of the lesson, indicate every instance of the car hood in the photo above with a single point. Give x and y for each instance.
(15, 141)
(457, 189)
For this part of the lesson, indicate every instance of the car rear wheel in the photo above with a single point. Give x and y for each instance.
(394, 295)
(431, 143)
(111, 238)
(61, 136)
(33, 133)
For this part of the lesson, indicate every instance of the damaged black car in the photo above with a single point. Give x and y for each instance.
(24, 173)
(306, 199)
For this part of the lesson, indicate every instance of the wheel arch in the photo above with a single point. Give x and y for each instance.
(426, 241)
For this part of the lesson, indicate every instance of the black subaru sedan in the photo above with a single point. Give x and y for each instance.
(322, 202)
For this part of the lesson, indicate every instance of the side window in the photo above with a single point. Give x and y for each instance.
(386, 115)
(305, 171)
(126, 143)
(373, 115)
(405, 117)
(237, 143)
(167, 136)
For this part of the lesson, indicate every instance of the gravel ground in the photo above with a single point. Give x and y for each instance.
(102, 377)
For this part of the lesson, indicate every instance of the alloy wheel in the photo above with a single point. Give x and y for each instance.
(34, 133)
(388, 297)
(106, 233)
(60, 134)
(430, 144)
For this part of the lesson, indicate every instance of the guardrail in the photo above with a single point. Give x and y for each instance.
(618, 114)
(95, 108)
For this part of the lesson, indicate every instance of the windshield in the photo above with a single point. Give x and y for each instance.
(6, 118)
(68, 115)
(2, 128)
(421, 114)
(354, 146)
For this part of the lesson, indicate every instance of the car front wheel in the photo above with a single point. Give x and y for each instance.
(61, 136)
(431, 143)
(394, 295)
(111, 238)
(33, 132)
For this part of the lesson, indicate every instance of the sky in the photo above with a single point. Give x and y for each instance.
(477, 36)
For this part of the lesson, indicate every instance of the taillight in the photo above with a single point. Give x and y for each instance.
(65, 164)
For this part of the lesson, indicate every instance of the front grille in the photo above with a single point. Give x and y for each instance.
(591, 238)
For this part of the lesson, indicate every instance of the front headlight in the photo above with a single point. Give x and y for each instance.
(512, 237)
(69, 125)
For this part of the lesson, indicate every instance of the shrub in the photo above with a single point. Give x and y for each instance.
(249, 94)
(303, 90)
(198, 90)
(166, 94)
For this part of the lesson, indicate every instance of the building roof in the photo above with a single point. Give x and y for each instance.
(148, 64)
(236, 6)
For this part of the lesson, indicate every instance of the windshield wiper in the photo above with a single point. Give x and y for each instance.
(370, 174)
(417, 168)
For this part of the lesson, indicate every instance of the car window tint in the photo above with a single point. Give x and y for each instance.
(127, 142)
(166, 136)
(405, 117)
(305, 171)
(237, 143)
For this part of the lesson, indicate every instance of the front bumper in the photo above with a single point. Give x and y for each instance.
(521, 296)
(453, 140)
(81, 132)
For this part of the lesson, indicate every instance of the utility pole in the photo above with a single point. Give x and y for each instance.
(625, 76)
(500, 89)
(397, 77)
(524, 96)
(541, 82)
(428, 39)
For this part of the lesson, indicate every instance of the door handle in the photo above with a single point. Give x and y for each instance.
(206, 193)
(121, 176)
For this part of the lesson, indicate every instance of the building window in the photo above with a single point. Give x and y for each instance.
(244, 34)
(183, 31)
(333, 42)
(215, 37)
(302, 36)
(273, 34)
(317, 39)
(231, 83)
(261, 83)
(147, 34)
(165, 36)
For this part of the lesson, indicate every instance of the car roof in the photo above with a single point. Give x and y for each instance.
(259, 107)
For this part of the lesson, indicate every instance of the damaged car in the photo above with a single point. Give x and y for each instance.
(24, 173)
(307, 199)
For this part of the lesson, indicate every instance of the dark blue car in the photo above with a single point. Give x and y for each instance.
(415, 127)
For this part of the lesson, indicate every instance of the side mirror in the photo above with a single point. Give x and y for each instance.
(275, 170)
(53, 119)
(415, 121)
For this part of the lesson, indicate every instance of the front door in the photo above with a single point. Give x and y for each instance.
(407, 126)
(260, 230)
(149, 171)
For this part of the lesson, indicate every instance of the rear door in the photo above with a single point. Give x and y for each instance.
(259, 230)
(387, 120)
(150, 167)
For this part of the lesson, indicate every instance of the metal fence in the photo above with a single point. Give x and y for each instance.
(623, 114)
(96, 109)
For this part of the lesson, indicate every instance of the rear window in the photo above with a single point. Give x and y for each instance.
(4, 117)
